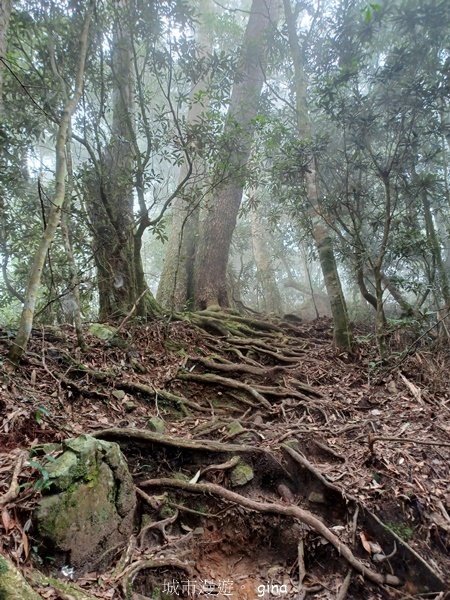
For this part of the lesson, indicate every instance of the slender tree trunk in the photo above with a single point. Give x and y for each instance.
(435, 247)
(67, 240)
(265, 272)
(176, 285)
(26, 320)
(217, 230)
(5, 12)
(380, 323)
(321, 235)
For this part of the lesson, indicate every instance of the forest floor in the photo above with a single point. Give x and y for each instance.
(268, 465)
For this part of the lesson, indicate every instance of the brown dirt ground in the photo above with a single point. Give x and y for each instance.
(406, 484)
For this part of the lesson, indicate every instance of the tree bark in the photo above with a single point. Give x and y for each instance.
(74, 281)
(176, 285)
(110, 189)
(26, 320)
(5, 13)
(217, 230)
(435, 248)
(321, 235)
(265, 272)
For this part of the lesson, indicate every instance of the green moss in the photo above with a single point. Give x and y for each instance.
(241, 474)
(3, 566)
(234, 428)
(180, 476)
(292, 443)
(166, 511)
(404, 531)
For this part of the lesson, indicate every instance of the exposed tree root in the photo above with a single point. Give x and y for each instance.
(261, 348)
(179, 401)
(230, 367)
(292, 511)
(136, 567)
(404, 440)
(257, 324)
(117, 433)
(66, 590)
(231, 383)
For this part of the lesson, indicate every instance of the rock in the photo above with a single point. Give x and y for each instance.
(88, 508)
(138, 366)
(241, 474)
(130, 406)
(241, 435)
(103, 332)
(156, 424)
(234, 428)
(317, 498)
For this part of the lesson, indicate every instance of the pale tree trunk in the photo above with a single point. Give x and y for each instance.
(435, 247)
(220, 221)
(5, 13)
(26, 320)
(264, 265)
(176, 285)
(321, 234)
(380, 324)
(74, 282)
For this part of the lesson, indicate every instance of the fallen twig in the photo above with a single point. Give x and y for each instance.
(385, 438)
(13, 490)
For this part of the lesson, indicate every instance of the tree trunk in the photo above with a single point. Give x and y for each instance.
(435, 248)
(217, 230)
(26, 320)
(265, 273)
(67, 240)
(110, 188)
(176, 285)
(321, 235)
(5, 12)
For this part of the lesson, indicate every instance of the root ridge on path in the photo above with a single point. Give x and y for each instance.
(261, 456)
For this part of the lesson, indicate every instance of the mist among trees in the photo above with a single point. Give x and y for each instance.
(180, 156)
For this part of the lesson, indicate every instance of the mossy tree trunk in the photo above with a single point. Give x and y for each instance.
(321, 235)
(110, 186)
(435, 247)
(217, 229)
(5, 13)
(12, 584)
(110, 190)
(26, 320)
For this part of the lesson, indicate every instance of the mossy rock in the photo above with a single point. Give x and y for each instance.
(89, 506)
(103, 332)
(234, 428)
(241, 474)
(157, 425)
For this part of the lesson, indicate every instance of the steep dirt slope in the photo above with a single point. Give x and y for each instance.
(266, 464)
